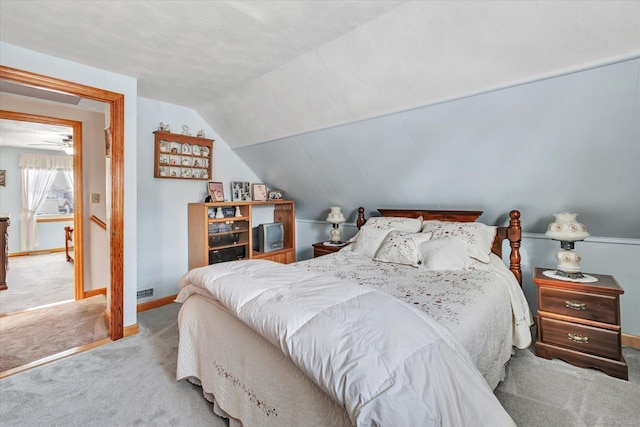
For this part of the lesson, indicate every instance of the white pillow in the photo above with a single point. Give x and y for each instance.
(402, 248)
(479, 237)
(449, 253)
(410, 225)
(376, 229)
(368, 240)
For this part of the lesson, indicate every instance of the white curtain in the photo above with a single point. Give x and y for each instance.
(69, 175)
(38, 173)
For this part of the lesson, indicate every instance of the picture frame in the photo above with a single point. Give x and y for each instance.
(259, 192)
(240, 191)
(216, 191)
(228, 211)
(3, 177)
(276, 195)
(107, 142)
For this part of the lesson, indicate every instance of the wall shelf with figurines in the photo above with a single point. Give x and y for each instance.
(182, 156)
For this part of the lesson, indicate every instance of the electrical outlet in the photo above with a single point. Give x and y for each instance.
(95, 198)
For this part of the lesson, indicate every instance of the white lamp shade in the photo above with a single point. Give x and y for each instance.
(335, 216)
(566, 228)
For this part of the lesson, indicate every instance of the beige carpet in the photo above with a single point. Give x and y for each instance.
(37, 280)
(132, 382)
(32, 335)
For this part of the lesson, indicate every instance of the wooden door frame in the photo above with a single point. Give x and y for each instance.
(116, 104)
(78, 200)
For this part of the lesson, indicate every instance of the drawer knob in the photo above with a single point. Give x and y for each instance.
(578, 338)
(575, 305)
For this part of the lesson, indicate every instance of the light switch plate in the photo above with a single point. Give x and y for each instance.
(95, 198)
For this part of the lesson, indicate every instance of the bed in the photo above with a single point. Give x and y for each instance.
(437, 322)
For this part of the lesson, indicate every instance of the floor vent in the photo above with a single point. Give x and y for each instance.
(145, 293)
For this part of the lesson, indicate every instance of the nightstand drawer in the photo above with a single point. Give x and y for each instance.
(583, 338)
(320, 249)
(601, 308)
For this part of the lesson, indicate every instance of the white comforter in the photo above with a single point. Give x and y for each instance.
(400, 369)
(483, 306)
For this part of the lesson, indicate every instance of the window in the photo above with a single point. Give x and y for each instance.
(59, 198)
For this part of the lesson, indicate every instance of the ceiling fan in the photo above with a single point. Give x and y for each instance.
(67, 142)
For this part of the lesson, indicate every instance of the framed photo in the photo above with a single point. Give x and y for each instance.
(276, 195)
(107, 142)
(241, 191)
(228, 211)
(216, 191)
(3, 175)
(259, 192)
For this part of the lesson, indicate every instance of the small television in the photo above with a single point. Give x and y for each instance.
(268, 237)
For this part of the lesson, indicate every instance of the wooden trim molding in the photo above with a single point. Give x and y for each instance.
(116, 102)
(632, 341)
(130, 330)
(54, 357)
(144, 306)
(94, 292)
(36, 252)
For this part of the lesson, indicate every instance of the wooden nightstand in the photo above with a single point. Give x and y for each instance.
(320, 249)
(580, 322)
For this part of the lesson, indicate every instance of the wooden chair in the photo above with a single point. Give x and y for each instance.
(68, 237)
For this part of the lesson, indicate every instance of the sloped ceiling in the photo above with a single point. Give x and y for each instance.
(487, 105)
(262, 70)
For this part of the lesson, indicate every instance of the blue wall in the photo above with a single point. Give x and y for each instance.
(569, 143)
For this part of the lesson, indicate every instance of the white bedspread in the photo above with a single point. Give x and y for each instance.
(403, 369)
(483, 307)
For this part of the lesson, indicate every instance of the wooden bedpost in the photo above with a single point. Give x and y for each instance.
(360, 221)
(515, 236)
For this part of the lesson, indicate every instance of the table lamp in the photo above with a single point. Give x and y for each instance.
(567, 230)
(335, 217)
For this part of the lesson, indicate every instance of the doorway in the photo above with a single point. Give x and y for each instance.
(116, 220)
(78, 222)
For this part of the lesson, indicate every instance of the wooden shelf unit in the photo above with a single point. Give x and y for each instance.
(182, 156)
(214, 240)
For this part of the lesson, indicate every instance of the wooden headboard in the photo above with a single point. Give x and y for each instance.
(513, 232)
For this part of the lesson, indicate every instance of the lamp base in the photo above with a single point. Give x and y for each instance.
(575, 275)
(336, 234)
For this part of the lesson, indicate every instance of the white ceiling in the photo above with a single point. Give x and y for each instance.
(29, 135)
(262, 70)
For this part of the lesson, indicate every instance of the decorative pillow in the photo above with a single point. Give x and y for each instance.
(376, 229)
(402, 248)
(410, 225)
(479, 237)
(368, 240)
(449, 253)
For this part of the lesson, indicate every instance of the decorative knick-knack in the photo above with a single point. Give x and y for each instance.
(185, 130)
(238, 213)
(219, 213)
(200, 133)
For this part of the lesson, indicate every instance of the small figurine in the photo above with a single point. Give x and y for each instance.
(185, 130)
(161, 127)
(238, 213)
(167, 128)
(219, 213)
(200, 133)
